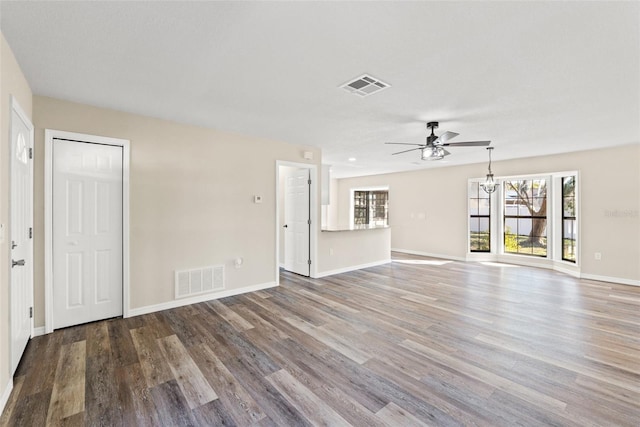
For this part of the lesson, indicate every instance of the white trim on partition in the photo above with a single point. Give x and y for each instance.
(200, 298)
(351, 268)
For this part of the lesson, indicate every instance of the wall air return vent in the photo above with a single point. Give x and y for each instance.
(365, 85)
(199, 281)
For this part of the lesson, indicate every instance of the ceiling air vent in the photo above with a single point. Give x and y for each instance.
(365, 85)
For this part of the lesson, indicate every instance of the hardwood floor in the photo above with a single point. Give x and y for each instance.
(416, 342)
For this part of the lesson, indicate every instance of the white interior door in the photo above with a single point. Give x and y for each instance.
(21, 233)
(297, 221)
(87, 232)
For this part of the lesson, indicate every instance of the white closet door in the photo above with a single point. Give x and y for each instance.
(297, 215)
(87, 232)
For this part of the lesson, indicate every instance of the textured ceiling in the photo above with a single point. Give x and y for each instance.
(536, 78)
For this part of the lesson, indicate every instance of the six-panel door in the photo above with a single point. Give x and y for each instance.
(87, 232)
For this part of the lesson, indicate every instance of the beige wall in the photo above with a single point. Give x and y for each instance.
(12, 82)
(191, 197)
(428, 208)
(340, 251)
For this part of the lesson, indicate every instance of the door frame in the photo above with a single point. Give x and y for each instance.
(49, 135)
(313, 202)
(15, 107)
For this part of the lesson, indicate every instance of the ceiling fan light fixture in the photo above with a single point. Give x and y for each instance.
(433, 148)
(437, 153)
(489, 184)
(432, 153)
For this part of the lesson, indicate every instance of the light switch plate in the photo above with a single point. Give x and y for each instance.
(257, 199)
(1, 233)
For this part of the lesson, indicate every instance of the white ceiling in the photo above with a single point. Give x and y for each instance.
(534, 77)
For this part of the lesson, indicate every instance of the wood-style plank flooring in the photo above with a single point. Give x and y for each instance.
(416, 342)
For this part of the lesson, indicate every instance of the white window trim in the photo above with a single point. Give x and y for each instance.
(493, 240)
(553, 260)
(352, 192)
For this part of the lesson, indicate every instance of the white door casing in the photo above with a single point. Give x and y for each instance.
(87, 232)
(86, 228)
(21, 241)
(297, 221)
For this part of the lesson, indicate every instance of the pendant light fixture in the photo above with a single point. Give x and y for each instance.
(490, 183)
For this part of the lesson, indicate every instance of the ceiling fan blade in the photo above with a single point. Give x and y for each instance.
(406, 151)
(468, 144)
(402, 143)
(445, 137)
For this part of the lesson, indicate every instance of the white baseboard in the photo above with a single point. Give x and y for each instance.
(563, 267)
(38, 331)
(412, 252)
(618, 280)
(481, 257)
(5, 395)
(571, 270)
(200, 298)
(526, 261)
(350, 268)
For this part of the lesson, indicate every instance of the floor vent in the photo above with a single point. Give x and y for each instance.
(199, 281)
(365, 85)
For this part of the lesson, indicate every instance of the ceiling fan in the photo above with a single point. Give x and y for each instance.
(433, 148)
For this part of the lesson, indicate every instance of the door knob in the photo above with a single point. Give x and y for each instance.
(19, 262)
(13, 244)
(285, 226)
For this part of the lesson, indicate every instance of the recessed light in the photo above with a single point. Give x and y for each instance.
(352, 159)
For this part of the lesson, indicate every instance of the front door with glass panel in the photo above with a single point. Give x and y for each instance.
(21, 244)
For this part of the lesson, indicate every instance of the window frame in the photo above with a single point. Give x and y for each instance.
(369, 207)
(360, 195)
(553, 259)
(573, 218)
(518, 217)
(478, 216)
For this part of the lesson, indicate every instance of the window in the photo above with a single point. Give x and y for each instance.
(535, 215)
(569, 231)
(371, 207)
(525, 216)
(479, 219)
